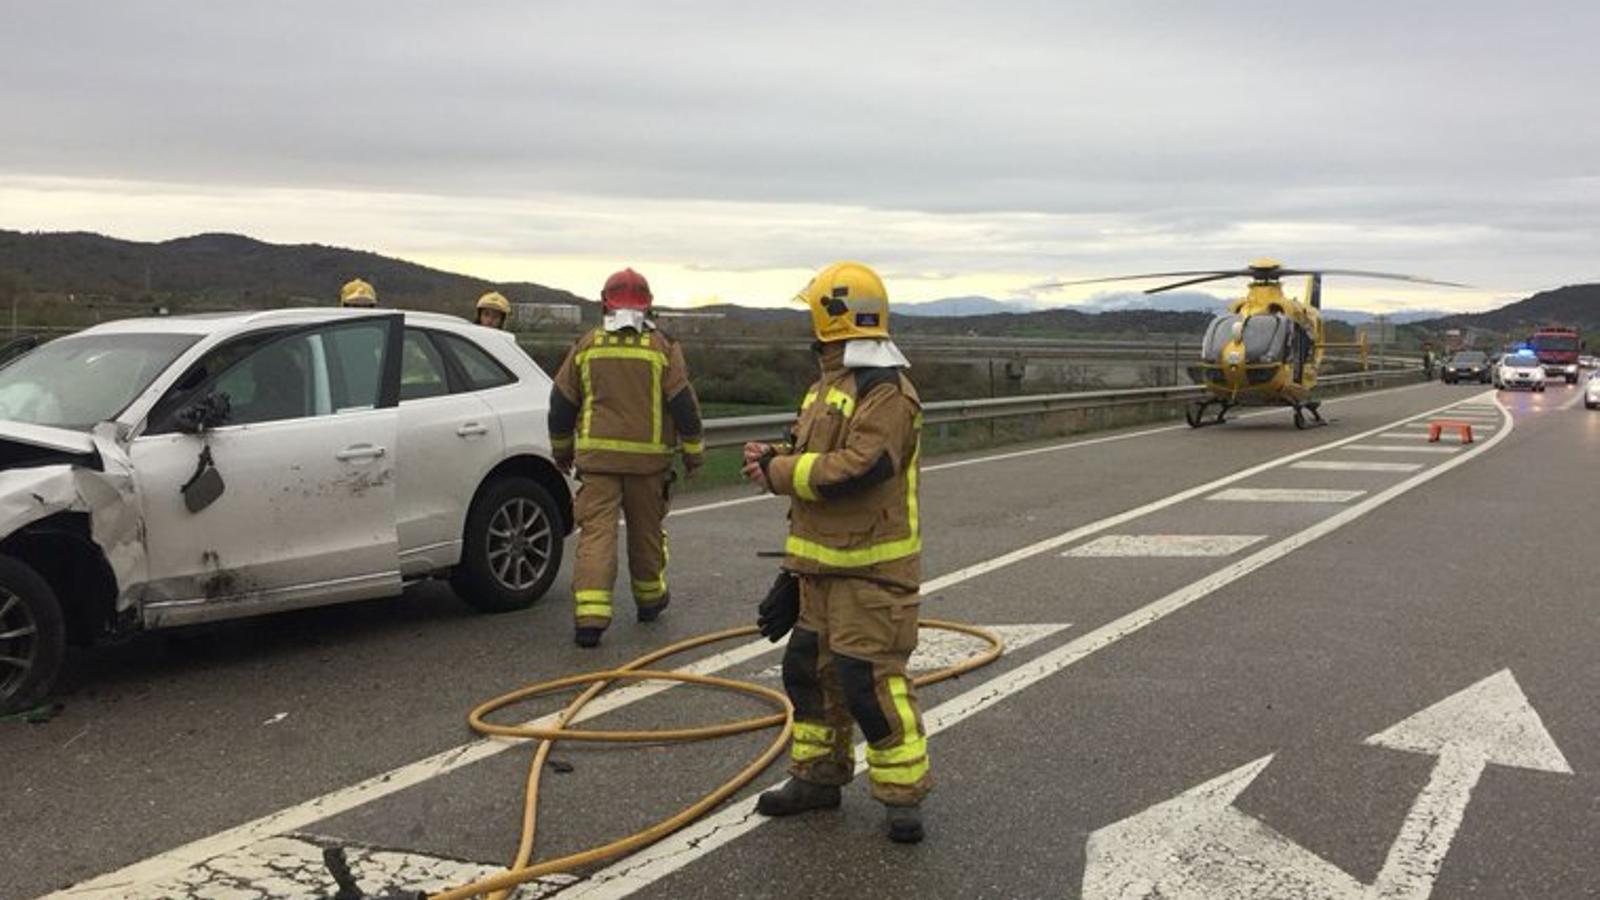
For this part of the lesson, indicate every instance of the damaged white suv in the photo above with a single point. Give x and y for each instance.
(163, 472)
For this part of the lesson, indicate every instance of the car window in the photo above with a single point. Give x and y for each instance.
(481, 369)
(355, 361)
(422, 368)
(274, 383)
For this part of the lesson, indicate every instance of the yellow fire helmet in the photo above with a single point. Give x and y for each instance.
(847, 302)
(357, 293)
(496, 301)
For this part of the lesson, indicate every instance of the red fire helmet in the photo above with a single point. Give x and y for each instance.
(626, 290)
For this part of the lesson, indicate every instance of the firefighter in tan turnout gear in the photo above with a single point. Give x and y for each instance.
(853, 560)
(620, 406)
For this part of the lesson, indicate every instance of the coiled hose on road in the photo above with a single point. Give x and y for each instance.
(522, 870)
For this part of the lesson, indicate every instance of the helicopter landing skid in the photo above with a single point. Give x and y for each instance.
(1195, 413)
(1300, 420)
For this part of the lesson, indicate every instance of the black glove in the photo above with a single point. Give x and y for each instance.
(780, 609)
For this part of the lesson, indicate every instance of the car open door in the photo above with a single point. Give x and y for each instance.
(298, 505)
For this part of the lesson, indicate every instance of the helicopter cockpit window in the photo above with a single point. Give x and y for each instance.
(1266, 338)
(1217, 336)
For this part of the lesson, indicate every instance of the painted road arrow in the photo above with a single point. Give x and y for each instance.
(1198, 846)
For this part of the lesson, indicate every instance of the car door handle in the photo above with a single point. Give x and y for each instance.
(361, 451)
(473, 429)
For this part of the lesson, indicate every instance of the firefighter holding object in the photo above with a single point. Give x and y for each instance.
(853, 560)
(358, 293)
(620, 406)
(493, 310)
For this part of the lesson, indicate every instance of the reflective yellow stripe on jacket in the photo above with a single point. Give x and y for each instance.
(620, 347)
(872, 554)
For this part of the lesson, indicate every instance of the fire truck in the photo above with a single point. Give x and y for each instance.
(1557, 348)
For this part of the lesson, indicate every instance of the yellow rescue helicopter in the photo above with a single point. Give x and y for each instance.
(1266, 349)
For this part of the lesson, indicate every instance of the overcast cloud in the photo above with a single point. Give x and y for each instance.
(963, 148)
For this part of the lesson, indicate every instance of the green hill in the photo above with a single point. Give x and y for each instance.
(1576, 305)
(220, 271)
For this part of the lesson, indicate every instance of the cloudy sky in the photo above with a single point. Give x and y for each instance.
(727, 149)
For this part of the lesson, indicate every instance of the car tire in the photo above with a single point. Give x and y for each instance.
(33, 636)
(511, 549)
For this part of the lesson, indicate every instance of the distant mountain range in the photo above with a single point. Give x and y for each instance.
(1172, 301)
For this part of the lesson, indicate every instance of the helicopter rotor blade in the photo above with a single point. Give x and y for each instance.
(1178, 284)
(1143, 277)
(1386, 276)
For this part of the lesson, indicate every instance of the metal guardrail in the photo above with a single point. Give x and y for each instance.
(734, 431)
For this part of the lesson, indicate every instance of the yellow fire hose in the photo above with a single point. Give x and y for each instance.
(520, 871)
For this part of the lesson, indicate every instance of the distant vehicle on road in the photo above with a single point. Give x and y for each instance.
(1591, 391)
(163, 472)
(1468, 365)
(1589, 362)
(1519, 370)
(1557, 348)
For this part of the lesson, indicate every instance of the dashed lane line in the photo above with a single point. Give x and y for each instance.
(1285, 495)
(1335, 465)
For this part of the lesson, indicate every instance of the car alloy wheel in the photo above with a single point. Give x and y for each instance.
(19, 644)
(520, 544)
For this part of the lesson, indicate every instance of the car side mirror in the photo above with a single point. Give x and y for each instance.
(200, 416)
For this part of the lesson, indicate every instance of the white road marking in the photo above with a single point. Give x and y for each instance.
(1035, 451)
(292, 867)
(294, 818)
(1490, 722)
(1285, 495)
(1201, 847)
(1330, 465)
(659, 860)
(1388, 448)
(938, 649)
(1165, 545)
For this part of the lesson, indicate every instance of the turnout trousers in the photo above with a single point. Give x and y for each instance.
(846, 663)
(642, 500)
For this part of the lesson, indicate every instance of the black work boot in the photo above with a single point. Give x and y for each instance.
(797, 797)
(905, 824)
(653, 612)
(588, 637)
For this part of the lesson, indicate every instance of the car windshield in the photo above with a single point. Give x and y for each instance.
(78, 382)
(1560, 342)
(1467, 359)
(1522, 362)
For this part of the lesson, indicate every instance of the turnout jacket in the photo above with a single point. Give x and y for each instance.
(622, 403)
(851, 472)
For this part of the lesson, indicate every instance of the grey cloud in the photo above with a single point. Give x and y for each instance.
(1123, 128)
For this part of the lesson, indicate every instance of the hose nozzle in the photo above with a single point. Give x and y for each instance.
(339, 868)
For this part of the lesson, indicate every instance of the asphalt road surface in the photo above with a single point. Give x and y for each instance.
(1245, 661)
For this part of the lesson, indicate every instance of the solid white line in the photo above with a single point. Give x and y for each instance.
(1338, 466)
(1035, 451)
(111, 885)
(653, 863)
(1285, 495)
(1386, 448)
